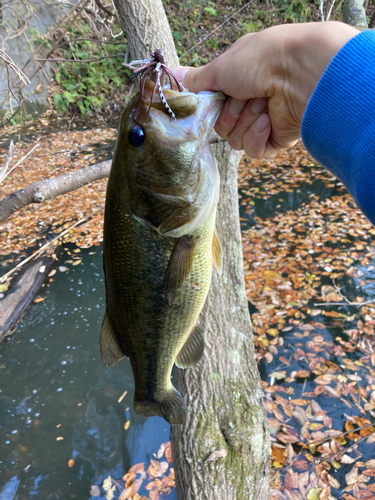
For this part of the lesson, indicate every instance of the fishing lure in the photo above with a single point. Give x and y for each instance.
(155, 65)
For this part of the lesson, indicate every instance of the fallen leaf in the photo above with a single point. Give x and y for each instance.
(122, 396)
(94, 491)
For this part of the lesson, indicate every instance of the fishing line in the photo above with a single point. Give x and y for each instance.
(222, 24)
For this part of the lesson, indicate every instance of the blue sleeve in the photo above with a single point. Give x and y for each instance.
(338, 127)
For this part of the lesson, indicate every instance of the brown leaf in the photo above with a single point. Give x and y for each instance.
(303, 374)
(287, 438)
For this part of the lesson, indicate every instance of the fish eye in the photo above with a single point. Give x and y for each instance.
(136, 136)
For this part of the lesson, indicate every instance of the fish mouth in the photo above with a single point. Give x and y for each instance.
(180, 105)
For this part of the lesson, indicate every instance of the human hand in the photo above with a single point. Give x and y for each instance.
(269, 77)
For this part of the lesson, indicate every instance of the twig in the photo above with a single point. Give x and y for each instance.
(44, 247)
(90, 40)
(8, 62)
(21, 160)
(347, 301)
(347, 450)
(7, 161)
(321, 9)
(330, 10)
(104, 9)
(213, 31)
(318, 304)
(81, 60)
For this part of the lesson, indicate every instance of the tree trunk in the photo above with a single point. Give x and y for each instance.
(146, 29)
(354, 14)
(222, 391)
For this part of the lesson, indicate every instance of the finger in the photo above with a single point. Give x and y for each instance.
(229, 116)
(251, 112)
(256, 139)
(197, 79)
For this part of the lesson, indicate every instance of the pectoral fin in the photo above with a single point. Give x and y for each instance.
(192, 350)
(217, 253)
(110, 350)
(180, 262)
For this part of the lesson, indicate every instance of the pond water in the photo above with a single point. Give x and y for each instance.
(57, 401)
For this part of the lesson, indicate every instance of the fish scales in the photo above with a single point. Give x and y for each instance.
(157, 271)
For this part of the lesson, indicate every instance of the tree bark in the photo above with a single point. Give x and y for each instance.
(147, 29)
(354, 14)
(223, 390)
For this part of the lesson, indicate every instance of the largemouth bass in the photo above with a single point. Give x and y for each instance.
(160, 242)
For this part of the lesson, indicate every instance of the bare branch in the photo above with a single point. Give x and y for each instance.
(82, 60)
(44, 247)
(20, 161)
(45, 190)
(7, 161)
(91, 40)
(104, 9)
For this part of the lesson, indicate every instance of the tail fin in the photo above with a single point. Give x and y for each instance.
(172, 407)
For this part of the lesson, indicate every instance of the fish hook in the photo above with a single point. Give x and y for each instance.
(155, 65)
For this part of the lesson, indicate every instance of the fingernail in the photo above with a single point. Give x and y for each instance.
(259, 105)
(235, 106)
(261, 124)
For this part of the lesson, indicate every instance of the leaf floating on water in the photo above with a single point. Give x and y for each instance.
(314, 494)
(127, 425)
(59, 438)
(157, 469)
(95, 491)
(303, 374)
(76, 262)
(71, 462)
(215, 455)
(122, 396)
(52, 273)
(39, 299)
(168, 452)
(132, 490)
(108, 488)
(137, 468)
(63, 269)
(161, 451)
(4, 287)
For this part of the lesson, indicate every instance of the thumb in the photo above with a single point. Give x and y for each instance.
(196, 79)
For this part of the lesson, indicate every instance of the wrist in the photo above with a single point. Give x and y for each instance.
(311, 49)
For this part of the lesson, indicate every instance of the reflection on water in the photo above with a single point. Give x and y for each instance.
(57, 401)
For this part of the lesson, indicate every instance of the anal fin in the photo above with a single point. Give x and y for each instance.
(192, 350)
(217, 253)
(180, 262)
(110, 350)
